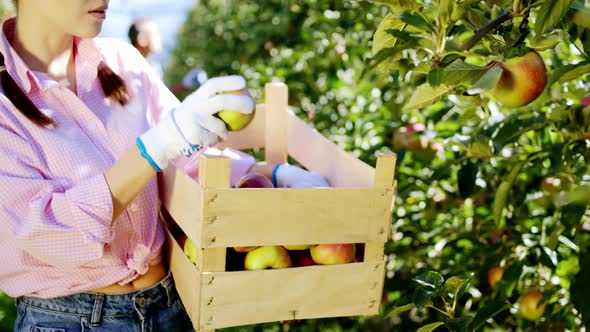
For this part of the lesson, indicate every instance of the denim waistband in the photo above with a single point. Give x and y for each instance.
(97, 305)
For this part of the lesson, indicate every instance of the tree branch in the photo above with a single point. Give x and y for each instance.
(479, 34)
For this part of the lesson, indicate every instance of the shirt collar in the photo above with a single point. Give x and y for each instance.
(88, 57)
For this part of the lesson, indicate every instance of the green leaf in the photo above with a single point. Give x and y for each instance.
(401, 309)
(430, 279)
(513, 127)
(545, 42)
(578, 196)
(426, 95)
(460, 324)
(454, 285)
(430, 327)
(503, 191)
(383, 39)
(417, 20)
(489, 310)
(466, 178)
(549, 14)
(580, 288)
(489, 80)
(460, 72)
(422, 296)
(569, 72)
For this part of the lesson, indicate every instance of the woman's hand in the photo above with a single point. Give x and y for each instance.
(289, 176)
(192, 126)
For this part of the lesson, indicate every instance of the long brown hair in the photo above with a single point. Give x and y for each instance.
(112, 84)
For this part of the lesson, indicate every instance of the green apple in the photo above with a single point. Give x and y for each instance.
(244, 249)
(267, 257)
(190, 250)
(523, 79)
(529, 307)
(235, 121)
(328, 254)
(297, 246)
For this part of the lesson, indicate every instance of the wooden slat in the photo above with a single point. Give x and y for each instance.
(248, 297)
(182, 196)
(252, 136)
(213, 173)
(187, 279)
(384, 178)
(262, 216)
(277, 96)
(317, 153)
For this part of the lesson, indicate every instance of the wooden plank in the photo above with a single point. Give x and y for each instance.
(252, 136)
(187, 279)
(317, 153)
(262, 216)
(249, 297)
(213, 173)
(277, 102)
(384, 178)
(182, 196)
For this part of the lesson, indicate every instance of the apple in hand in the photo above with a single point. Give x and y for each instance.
(235, 121)
(297, 246)
(328, 254)
(523, 80)
(529, 305)
(302, 258)
(254, 180)
(190, 250)
(495, 275)
(267, 257)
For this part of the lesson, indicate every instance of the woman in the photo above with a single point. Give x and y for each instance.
(84, 127)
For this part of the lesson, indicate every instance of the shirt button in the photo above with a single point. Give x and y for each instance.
(134, 207)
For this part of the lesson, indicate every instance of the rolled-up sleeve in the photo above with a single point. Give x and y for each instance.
(240, 163)
(55, 221)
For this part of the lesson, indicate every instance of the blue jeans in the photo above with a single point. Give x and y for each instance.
(154, 309)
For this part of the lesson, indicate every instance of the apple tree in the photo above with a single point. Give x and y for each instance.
(485, 103)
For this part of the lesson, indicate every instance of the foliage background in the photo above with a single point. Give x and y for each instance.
(477, 187)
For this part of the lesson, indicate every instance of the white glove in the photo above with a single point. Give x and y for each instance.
(289, 176)
(192, 126)
(194, 78)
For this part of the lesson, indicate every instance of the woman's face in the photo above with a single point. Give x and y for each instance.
(82, 18)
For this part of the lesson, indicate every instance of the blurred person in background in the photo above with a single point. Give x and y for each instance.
(85, 125)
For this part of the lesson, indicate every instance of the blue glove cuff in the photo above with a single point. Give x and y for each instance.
(145, 155)
(274, 175)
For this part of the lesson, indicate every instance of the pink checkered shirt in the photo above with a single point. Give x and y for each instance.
(57, 237)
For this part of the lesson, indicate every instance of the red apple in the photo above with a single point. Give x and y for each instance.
(529, 305)
(328, 254)
(495, 275)
(302, 258)
(254, 180)
(585, 101)
(523, 80)
(267, 257)
(244, 249)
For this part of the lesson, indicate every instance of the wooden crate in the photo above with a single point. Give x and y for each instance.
(357, 209)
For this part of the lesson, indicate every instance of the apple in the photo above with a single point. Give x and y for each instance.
(235, 121)
(585, 101)
(302, 258)
(495, 275)
(523, 80)
(582, 18)
(406, 137)
(267, 257)
(529, 305)
(328, 254)
(254, 180)
(297, 246)
(190, 250)
(244, 249)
